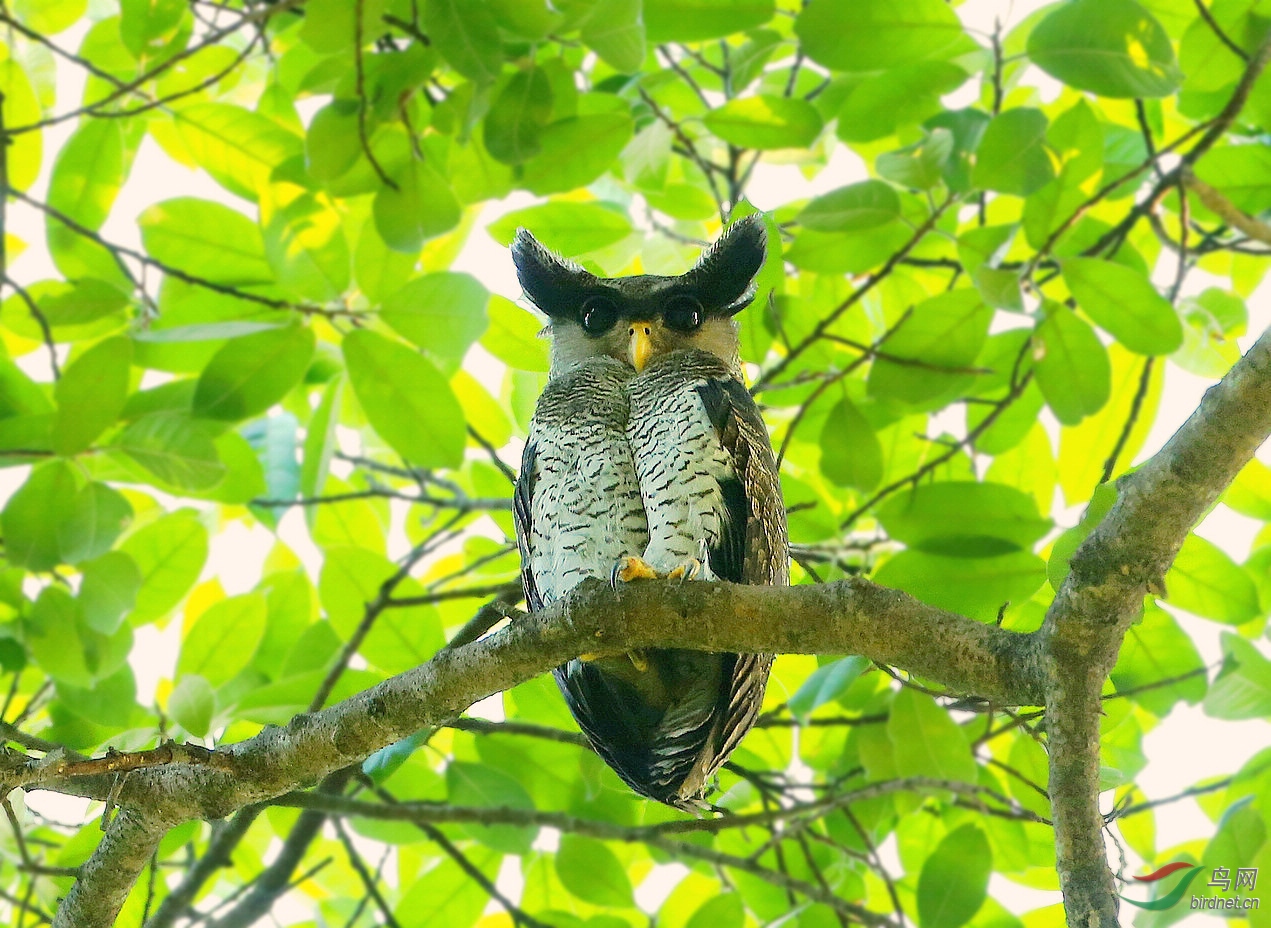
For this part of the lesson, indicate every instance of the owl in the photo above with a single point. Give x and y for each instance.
(647, 458)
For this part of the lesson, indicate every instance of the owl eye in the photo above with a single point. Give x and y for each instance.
(683, 313)
(598, 315)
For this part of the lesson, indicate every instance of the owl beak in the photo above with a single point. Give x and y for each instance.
(641, 347)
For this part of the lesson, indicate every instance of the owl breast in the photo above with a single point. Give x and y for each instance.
(586, 510)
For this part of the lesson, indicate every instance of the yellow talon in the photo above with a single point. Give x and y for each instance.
(689, 570)
(634, 568)
(638, 660)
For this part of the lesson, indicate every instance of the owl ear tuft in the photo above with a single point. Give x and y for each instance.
(725, 274)
(553, 284)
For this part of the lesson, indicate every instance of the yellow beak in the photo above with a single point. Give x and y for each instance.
(641, 347)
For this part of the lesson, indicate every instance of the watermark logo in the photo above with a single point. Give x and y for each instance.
(1221, 880)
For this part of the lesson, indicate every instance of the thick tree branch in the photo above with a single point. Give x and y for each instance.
(1123, 560)
(109, 875)
(850, 616)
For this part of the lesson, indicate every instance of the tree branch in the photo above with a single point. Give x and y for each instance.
(1123, 560)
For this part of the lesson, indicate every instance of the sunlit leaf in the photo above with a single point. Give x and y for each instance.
(408, 402)
(1114, 48)
(1125, 304)
(870, 35)
(955, 879)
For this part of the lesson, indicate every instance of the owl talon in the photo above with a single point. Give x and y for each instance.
(688, 570)
(631, 568)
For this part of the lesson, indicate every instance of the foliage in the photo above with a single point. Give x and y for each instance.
(956, 347)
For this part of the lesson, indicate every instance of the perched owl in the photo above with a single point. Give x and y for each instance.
(648, 458)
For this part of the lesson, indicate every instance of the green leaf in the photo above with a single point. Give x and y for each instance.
(1242, 689)
(91, 394)
(170, 553)
(1206, 581)
(443, 313)
(1157, 649)
(247, 375)
(882, 103)
(147, 25)
(49, 17)
(320, 441)
(192, 704)
(926, 741)
(1124, 303)
(421, 207)
(1250, 493)
(108, 590)
(872, 35)
(97, 517)
(331, 25)
(406, 399)
(695, 20)
(722, 911)
(592, 872)
(955, 879)
(112, 699)
(174, 448)
(467, 36)
(470, 784)
(851, 455)
(826, 684)
(977, 587)
(71, 311)
(239, 148)
(941, 338)
(1085, 448)
(513, 336)
(55, 637)
(206, 239)
(21, 108)
(765, 122)
(1012, 156)
(577, 150)
(852, 208)
(921, 165)
(447, 894)
(614, 30)
(565, 227)
(223, 639)
(1071, 366)
(1076, 141)
(964, 519)
(32, 515)
(87, 175)
(1241, 173)
(333, 143)
(519, 112)
(1114, 48)
(19, 395)
(306, 249)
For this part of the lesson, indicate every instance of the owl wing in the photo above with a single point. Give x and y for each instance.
(523, 520)
(754, 547)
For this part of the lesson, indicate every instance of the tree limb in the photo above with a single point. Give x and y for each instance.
(1124, 559)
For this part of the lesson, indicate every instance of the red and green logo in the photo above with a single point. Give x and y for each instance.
(1174, 895)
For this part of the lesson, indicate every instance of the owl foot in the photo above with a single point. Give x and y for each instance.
(688, 570)
(631, 568)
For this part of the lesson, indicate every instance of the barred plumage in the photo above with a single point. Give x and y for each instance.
(647, 453)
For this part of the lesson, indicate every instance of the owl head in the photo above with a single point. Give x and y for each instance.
(637, 319)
